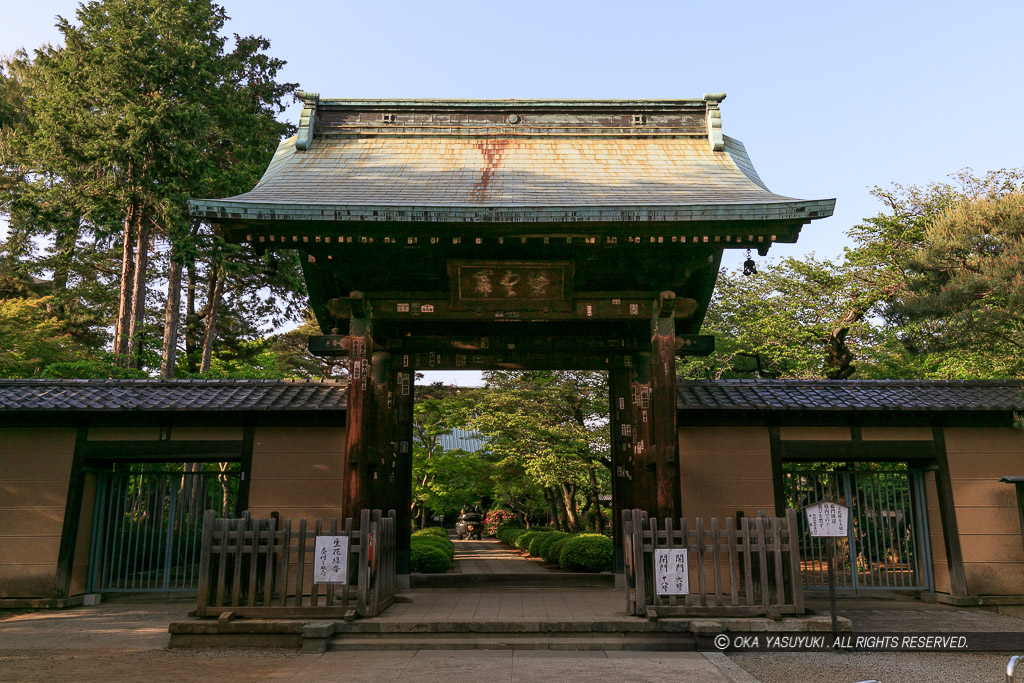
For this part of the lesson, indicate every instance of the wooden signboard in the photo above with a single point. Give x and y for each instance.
(827, 519)
(511, 285)
(331, 563)
(671, 571)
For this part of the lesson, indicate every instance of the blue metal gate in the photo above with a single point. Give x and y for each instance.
(147, 525)
(887, 547)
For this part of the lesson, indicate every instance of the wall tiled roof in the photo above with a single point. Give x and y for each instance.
(470, 441)
(25, 395)
(856, 395)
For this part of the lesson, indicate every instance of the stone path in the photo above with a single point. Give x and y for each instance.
(509, 605)
(491, 556)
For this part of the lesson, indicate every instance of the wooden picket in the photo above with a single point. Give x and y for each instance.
(753, 568)
(258, 568)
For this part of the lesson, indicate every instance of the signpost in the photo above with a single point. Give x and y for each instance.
(671, 572)
(331, 563)
(826, 519)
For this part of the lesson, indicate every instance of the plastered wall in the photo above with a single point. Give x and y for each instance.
(725, 470)
(986, 510)
(297, 472)
(35, 467)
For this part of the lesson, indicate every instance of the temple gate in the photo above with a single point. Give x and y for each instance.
(511, 234)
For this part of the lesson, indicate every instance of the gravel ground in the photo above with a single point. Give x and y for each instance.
(885, 667)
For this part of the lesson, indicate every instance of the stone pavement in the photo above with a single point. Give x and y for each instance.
(491, 556)
(509, 605)
(126, 640)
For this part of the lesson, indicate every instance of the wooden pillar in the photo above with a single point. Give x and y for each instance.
(645, 469)
(359, 430)
(620, 417)
(664, 413)
(404, 380)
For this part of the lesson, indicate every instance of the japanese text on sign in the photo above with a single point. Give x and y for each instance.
(671, 572)
(827, 519)
(331, 563)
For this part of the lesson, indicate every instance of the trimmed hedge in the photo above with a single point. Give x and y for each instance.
(436, 542)
(523, 540)
(428, 559)
(546, 543)
(510, 534)
(587, 553)
(555, 549)
(537, 541)
(440, 532)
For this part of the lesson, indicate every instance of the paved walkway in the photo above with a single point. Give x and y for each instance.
(125, 640)
(509, 605)
(491, 556)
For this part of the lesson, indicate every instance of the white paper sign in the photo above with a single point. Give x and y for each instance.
(827, 519)
(331, 560)
(671, 572)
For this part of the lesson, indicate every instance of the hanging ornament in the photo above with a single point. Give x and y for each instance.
(749, 267)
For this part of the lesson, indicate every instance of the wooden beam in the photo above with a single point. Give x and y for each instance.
(248, 441)
(360, 413)
(620, 425)
(597, 352)
(857, 451)
(403, 383)
(947, 510)
(211, 450)
(778, 476)
(663, 414)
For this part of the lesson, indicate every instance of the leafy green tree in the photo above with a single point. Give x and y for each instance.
(553, 427)
(31, 338)
(104, 138)
(968, 290)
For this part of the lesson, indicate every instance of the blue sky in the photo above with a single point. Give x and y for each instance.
(830, 98)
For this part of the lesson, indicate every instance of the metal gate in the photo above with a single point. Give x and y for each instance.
(887, 547)
(148, 525)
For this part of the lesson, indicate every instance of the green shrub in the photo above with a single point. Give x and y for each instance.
(523, 540)
(431, 531)
(546, 543)
(538, 540)
(555, 550)
(428, 559)
(587, 553)
(436, 542)
(510, 535)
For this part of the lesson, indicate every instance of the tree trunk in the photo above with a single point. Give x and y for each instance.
(549, 496)
(569, 500)
(124, 299)
(138, 291)
(191, 319)
(172, 317)
(214, 294)
(595, 500)
(559, 497)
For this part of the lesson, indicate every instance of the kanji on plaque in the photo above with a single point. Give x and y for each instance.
(827, 519)
(331, 563)
(671, 572)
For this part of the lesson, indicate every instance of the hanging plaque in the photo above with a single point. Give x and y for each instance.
(331, 560)
(511, 285)
(671, 571)
(827, 519)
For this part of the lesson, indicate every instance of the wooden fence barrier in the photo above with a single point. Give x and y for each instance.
(733, 571)
(259, 568)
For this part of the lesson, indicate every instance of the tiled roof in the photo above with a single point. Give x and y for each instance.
(857, 395)
(24, 395)
(460, 439)
(578, 163)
